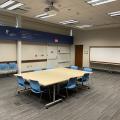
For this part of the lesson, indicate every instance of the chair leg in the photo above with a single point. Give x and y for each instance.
(88, 86)
(76, 89)
(17, 91)
(82, 84)
(40, 96)
(30, 92)
(49, 93)
(66, 92)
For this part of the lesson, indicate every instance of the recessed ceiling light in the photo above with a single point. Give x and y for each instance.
(15, 6)
(117, 13)
(45, 15)
(99, 2)
(68, 22)
(84, 26)
(7, 4)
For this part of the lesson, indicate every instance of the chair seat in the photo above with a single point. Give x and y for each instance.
(21, 86)
(82, 80)
(74, 67)
(35, 91)
(27, 86)
(70, 87)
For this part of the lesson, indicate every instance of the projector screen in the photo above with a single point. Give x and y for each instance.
(105, 54)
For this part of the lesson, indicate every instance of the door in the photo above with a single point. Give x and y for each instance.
(79, 55)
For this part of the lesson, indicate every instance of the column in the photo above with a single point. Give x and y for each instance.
(19, 45)
(72, 50)
(71, 32)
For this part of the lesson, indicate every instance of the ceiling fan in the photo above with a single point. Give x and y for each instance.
(51, 6)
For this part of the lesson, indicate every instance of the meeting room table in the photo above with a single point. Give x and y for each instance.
(53, 77)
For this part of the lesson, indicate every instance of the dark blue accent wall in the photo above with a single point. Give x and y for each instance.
(12, 33)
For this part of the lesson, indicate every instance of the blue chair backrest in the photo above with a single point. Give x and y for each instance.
(21, 81)
(37, 69)
(4, 66)
(35, 86)
(12, 65)
(49, 68)
(87, 69)
(85, 77)
(72, 81)
(74, 67)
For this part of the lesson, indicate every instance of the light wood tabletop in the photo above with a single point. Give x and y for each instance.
(52, 76)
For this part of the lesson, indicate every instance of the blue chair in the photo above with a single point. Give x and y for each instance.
(48, 68)
(36, 88)
(84, 79)
(22, 84)
(72, 84)
(4, 66)
(13, 67)
(74, 67)
(87, 69)
(37, 69)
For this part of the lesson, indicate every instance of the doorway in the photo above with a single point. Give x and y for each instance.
(79, 55)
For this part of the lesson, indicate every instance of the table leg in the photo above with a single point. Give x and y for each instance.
(54, 100)
(54, 92)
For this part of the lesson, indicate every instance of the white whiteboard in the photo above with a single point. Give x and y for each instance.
(103, 54)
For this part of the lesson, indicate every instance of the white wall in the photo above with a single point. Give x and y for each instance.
(54, 55)
(30, 51)
(102, 37)
(50, 52)
(7, 51)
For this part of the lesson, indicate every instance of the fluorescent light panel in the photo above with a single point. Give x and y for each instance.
(117, 13)
(93, 1)
(99, 2)
(48, 16)
(41, 15)
(7, 3)
(15, 6)
(69, 22)
(84, 26)
(45, 15)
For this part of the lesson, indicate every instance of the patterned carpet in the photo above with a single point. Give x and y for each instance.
(100, 102)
